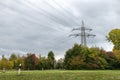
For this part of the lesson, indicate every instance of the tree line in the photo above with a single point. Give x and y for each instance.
(29, 62)
(81, 57)
(76, 58)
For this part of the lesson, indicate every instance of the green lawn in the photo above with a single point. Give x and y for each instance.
(62, 75)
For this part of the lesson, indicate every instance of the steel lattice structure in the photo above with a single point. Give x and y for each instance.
(83, 34)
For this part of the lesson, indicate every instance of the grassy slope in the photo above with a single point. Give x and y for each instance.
(62, 75)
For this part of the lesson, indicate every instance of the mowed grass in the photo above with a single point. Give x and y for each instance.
(62, 75)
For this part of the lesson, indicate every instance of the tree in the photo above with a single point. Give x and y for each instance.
(20, 60)
(3, 62)
(117, 59)
(111, 59)
(59, 64)
(42, 64)
(31, 61)
(82, 57)
(10, 64)
(77, 63)
(76, 57)
(114, 37)
(51, 55)
(98, 58)
(50, 60)
(13, 58)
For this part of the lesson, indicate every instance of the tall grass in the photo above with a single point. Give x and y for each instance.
(62, 75)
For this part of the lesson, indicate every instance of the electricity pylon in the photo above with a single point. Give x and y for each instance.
(82, 34)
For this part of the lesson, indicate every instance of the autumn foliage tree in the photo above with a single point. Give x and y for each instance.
(31, 61)
(82, 57)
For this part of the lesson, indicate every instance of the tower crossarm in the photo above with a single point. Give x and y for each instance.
(76, 35)
(88, 35)
(80, 34)
(81, 29)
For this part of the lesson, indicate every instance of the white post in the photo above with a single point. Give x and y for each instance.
(19, 70)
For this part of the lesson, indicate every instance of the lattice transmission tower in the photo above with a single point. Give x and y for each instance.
(83, 34)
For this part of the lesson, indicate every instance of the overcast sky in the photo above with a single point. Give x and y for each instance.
(38, 26)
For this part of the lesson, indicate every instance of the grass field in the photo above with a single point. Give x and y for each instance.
(62, 75)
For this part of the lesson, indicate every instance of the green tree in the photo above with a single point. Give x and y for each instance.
(20, 60)
(114, 37)
(50, 60)
(59, 64)
(97, 57)
(10, 64)
(6, 64)
(82, 57)
(13, 58)
(76, 57)
(77, 63)
(111, 60)
(117, 59)
(42, 63)
(3, 62)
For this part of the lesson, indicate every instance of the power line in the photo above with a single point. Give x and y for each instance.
(67, 11)
(83, 34)
(50, 15)
(63, 14)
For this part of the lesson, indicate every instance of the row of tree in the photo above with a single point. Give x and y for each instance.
(78, 57)
(30, 62)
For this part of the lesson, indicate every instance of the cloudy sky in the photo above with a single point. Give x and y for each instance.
(39, 26)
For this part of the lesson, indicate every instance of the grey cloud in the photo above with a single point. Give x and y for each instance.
(40, 26)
